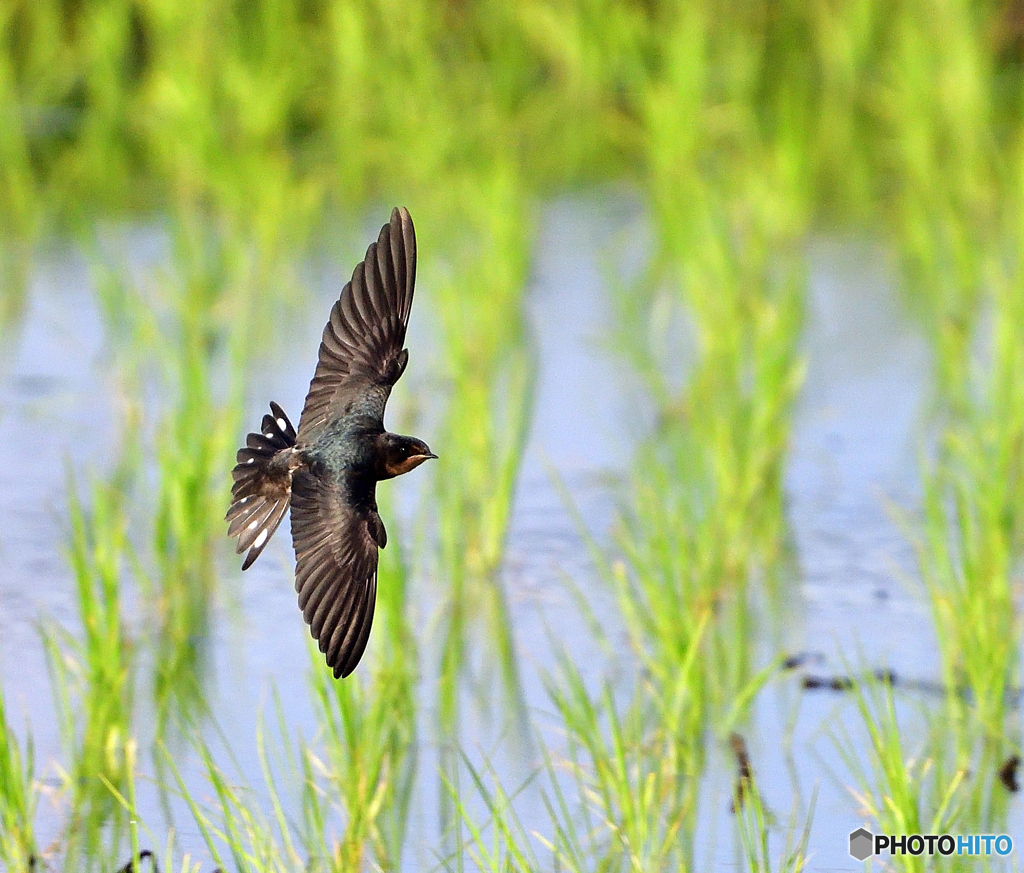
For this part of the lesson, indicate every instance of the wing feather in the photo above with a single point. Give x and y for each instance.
(336, 566)
(362, 351)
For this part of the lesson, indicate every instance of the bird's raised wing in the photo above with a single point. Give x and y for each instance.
(363, 353)
(335, 541)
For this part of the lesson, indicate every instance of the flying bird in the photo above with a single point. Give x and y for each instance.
(327, 472)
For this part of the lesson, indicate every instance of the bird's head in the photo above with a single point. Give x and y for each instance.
(402, 453)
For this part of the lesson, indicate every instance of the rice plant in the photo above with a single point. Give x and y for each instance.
(485, 428)
(93, 674)
(907, 785)
(18, 797)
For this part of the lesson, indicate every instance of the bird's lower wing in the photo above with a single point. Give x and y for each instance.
(336, 569)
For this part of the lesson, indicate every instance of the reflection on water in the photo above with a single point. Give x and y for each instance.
(857, 433)
(854, 464)
(854, 455)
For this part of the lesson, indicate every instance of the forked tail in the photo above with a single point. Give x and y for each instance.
(263, 484)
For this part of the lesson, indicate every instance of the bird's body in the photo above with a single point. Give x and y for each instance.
(327, 471)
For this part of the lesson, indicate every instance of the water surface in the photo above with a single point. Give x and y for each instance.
(854, 598)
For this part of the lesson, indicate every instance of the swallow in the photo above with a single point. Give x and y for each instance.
(327, 471)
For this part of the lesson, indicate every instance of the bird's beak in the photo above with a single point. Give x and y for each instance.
(416, 460)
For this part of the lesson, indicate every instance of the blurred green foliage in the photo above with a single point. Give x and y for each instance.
(268, 111)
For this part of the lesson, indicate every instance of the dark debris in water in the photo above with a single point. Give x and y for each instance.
(791, 662)
(846, 683)
(744, 772)
(1008, 774)
(827, 683)
(885, 676)
(134, 865)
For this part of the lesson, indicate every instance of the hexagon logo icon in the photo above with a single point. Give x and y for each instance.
(862, 844)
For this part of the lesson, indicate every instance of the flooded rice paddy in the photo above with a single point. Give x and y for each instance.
(847, 599)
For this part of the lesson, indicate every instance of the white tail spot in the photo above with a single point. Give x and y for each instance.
(281, 423)
(260, 540)
(253, 523)
(269, 434)
(250, 460)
